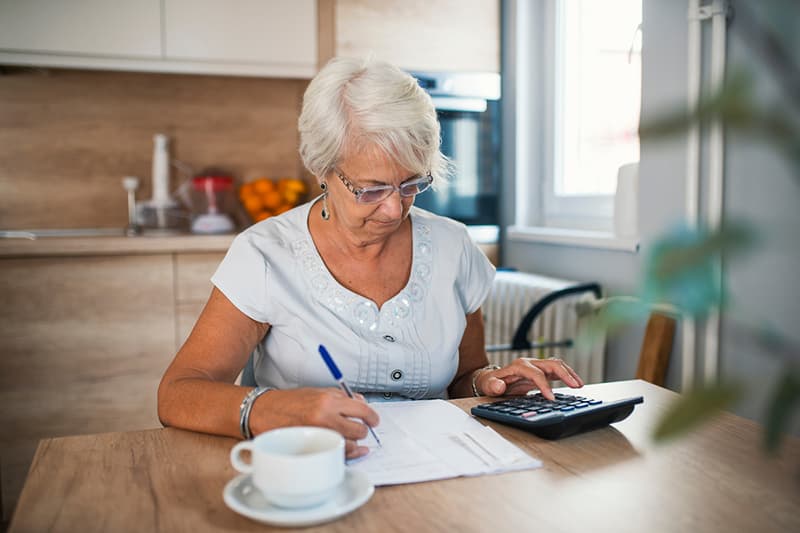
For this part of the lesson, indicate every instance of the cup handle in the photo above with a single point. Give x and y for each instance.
(236, 461)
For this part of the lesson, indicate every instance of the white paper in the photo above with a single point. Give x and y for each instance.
(432, 439)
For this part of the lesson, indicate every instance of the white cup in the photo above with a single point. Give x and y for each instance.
(295, 466)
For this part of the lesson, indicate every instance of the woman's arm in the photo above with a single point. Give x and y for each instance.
(197, 390)
(471, 356)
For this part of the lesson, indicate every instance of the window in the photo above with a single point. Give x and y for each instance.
(578, 81)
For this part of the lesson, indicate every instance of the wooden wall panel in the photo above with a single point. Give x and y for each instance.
(445, 35)
(67, 137)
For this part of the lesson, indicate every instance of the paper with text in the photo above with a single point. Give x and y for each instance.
(425, 440)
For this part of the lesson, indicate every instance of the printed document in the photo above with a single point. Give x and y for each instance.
(425, 440)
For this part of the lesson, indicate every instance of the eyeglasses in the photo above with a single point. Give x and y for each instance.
(378, 193)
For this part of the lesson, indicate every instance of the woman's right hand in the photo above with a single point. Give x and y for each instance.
(330, 408)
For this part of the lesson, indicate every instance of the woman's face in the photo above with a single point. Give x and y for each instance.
(368, 222)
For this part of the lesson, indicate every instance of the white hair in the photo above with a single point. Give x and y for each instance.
(356, 103)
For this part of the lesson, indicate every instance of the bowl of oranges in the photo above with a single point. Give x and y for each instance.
(265, 197)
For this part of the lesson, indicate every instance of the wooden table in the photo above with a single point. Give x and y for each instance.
(614, 479)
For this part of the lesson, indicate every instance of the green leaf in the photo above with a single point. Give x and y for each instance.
(785, 400)
(695, 407)
(681, 267)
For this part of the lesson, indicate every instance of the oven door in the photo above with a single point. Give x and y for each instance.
(471, 138)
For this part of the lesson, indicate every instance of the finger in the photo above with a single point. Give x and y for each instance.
(558, 369)
(527, 370)
(539, 379)
(520, 388)
(351, 429)
(356, 409)
(493, 386)
(352, 450)
(574, 374)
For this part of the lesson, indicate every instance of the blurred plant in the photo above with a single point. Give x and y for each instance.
(680, 270)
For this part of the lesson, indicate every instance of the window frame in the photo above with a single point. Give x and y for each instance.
(537, 75)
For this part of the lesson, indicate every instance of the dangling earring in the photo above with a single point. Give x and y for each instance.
(326, 214)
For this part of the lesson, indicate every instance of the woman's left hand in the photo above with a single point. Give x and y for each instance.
(526, 374)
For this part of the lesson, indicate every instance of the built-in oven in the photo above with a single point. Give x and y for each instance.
(468, 107)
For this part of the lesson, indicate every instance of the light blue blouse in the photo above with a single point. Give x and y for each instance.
(406, 349)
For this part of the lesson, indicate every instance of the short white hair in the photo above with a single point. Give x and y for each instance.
(352, 104)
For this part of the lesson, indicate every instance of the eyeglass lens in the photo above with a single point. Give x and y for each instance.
(413, 187)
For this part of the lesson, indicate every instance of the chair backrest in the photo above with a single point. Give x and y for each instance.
(656, 349)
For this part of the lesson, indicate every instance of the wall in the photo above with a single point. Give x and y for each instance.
(763, 188)
(67, 137)
(759, 186)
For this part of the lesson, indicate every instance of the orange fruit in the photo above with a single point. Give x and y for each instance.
(292, 184)
(261, 215)
(263, 185)
(252, 204)
(282, 209)
(271, 199)
(245, 190)
(291, 197)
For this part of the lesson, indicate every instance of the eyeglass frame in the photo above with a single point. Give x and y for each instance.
(359, 191)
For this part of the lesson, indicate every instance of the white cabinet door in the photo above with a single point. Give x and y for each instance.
(126, 28)
(258, 32)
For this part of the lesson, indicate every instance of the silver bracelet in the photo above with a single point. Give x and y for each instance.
(477, 373)
(246, 407)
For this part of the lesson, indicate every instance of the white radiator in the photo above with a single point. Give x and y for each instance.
(568, 317)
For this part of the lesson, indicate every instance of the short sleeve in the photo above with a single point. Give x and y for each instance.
(242, 277)
(476, 274)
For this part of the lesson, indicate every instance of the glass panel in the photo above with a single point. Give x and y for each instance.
(598, 88)
(471, 140)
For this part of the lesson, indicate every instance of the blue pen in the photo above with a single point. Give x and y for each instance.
(337, 375)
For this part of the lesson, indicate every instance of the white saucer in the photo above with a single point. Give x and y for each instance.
(243, 497)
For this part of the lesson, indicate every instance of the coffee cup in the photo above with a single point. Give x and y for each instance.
(294, 467)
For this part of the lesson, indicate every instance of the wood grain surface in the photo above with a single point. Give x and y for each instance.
(84, 344)
(613, 479)
(67, 137)
(446, 35)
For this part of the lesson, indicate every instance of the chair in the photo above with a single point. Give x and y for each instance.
(656, 349)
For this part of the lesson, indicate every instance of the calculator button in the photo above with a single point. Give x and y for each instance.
(517, 411)
(529, 414)
(544, 410)
(594, 402)
(584, 404)
(567, 408)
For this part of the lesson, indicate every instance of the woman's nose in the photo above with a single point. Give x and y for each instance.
(393, 205)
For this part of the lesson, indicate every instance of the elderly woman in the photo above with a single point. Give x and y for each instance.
(392, 291)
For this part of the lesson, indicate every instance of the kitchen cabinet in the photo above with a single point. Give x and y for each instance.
(432, 35)
(114, 28)
(193, 273)
(86, 339)
(270, 38)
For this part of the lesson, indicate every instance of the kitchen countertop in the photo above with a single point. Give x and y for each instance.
(99, 244)
(113, 245)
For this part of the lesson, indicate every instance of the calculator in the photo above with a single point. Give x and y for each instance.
(554, 419)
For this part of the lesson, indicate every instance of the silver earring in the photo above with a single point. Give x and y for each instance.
(326, 213)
